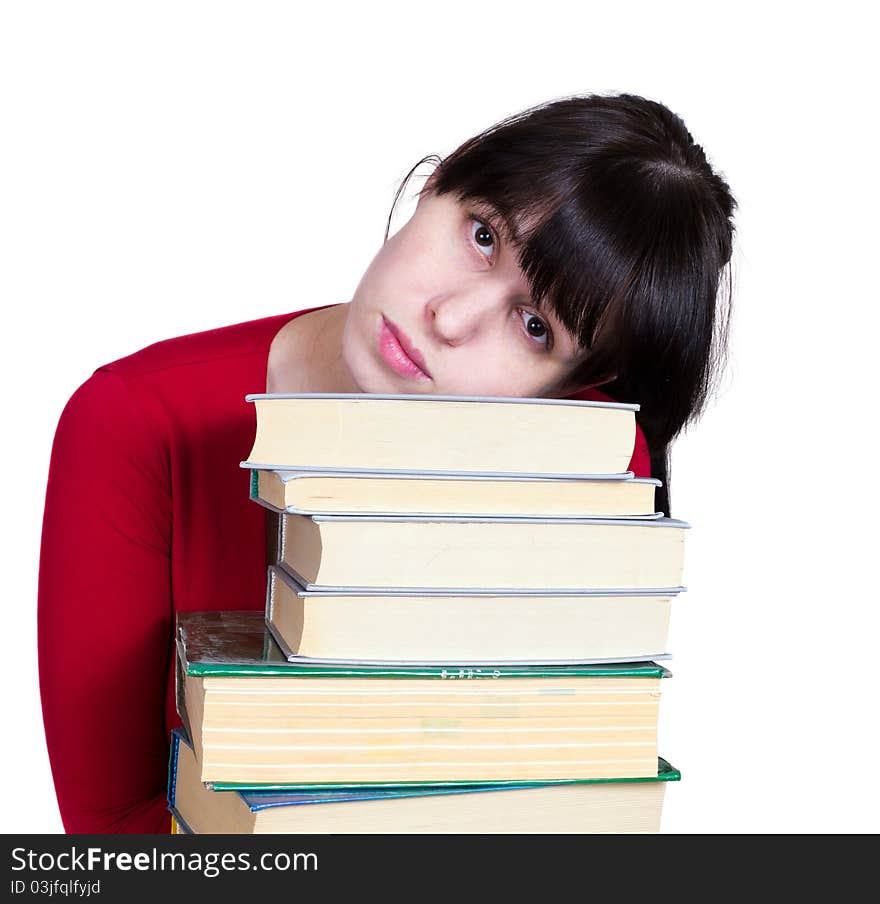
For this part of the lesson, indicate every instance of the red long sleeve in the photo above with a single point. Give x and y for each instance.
(105, 613)
(147, 514)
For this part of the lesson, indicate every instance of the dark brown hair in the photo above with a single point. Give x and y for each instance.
(624, 231)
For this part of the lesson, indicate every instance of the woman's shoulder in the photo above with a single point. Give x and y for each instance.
(204, 348)
(181, 383)
(191, 365)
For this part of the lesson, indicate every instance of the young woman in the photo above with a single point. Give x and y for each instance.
(576, 245)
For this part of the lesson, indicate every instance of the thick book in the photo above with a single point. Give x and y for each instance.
(256, 718)
(631, 805)
(514, 555)
(443, 434)
(366, 493)
(466, 627)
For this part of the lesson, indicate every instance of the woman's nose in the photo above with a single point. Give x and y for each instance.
(456, 317)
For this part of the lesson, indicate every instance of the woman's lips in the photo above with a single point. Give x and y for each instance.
(399, 354)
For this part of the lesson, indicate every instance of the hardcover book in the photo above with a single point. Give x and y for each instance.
(468, 434)
(467, 628)
(256, 718)
(365, 493)
(595, 806)
(513, 555)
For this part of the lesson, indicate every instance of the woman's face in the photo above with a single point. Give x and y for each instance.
(444, 308)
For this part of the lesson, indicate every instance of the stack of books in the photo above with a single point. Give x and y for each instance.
(466, 612)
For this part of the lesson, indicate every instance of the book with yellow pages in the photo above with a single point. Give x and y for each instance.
(514, 555)
(469, 627)
(589, 806)
(256, 718)
(443, 434)
(376, 493)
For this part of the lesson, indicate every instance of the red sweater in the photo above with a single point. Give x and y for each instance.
(147, 514)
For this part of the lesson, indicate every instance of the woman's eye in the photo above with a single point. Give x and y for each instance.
(483, 237)
(536, 328)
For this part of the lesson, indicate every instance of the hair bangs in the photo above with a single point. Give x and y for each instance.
(562, 250)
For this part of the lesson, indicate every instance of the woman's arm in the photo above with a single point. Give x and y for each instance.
(105, 613)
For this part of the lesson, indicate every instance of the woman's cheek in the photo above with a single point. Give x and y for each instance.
(506, 380)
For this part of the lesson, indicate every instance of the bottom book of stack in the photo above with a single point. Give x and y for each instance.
(568, 807)
(271, 745)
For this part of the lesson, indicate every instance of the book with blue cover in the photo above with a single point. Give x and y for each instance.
(600, 805)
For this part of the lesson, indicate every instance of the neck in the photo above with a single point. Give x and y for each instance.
(307, 354)
(323, 355)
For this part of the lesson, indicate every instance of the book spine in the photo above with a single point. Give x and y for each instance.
(172, 770)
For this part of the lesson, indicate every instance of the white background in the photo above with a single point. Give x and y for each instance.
(172, 167)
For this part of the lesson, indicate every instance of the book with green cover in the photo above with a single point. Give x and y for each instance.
(598, 805)
(237, 643)
(255, 718)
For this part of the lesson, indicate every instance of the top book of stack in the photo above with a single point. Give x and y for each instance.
(500, 436)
